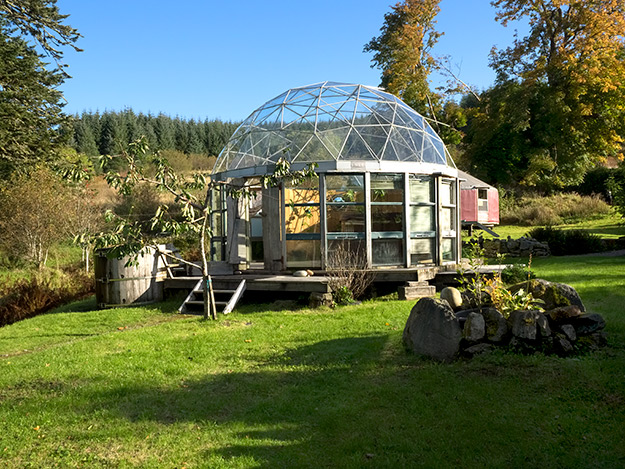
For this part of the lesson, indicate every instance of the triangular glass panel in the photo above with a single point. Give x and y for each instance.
(302, 94)
(266, 114)
(374, 139)
(334, 139)
(314, 150)
(347, 89)
(403, 149)
(355, 148)
(417, 119)
(290, 115)
(277, 100)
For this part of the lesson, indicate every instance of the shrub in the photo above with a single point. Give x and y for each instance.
(348, 275)
(516, 273)
(568, 242)
(36, 211)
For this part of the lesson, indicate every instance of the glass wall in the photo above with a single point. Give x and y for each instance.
(448, 219)
(422, 219)
(345, 216)
(387, 219)
(218, 225)
(380, 219)
(302, 225)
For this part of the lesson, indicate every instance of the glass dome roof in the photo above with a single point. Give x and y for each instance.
(331, 121)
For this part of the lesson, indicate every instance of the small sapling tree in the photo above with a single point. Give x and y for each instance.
(191, 193)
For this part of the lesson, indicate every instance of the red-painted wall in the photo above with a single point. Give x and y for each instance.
(468, 205)
(493, 205)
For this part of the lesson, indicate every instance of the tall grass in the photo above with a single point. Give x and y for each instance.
(552, 210)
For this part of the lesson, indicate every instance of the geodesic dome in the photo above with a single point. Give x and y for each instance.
(332, 122)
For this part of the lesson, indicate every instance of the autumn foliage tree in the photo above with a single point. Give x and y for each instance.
(558, 103)
(404, 53)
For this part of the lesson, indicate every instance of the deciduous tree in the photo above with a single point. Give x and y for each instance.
(571, 69)
(403, 51)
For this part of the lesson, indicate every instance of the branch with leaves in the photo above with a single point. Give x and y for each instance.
(191, 194)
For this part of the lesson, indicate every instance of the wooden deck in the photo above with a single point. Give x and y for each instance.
(257, 280)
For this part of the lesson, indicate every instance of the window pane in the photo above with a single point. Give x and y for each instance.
(216, 224)
(387, 218)
(302, 219)
(256, 227)
(421, 218)
(307, 192)
(447, 194)
(421, 189)
(387, 188)
(448, 249)
(448, 219)
(303, 253)
(347, 253)
(345, 188)
(216, 254)
(422, 251)
(388, 251)
(216, 199)
(346, 218)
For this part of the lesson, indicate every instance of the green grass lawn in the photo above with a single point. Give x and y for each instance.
(144, 387)
(610, 226)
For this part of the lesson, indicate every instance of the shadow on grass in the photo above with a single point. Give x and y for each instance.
(317, 403)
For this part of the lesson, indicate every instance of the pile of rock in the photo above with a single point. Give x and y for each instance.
(521, 247)
(444, 329)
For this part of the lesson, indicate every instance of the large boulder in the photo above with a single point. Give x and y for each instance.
(433, 330)
(553, 294)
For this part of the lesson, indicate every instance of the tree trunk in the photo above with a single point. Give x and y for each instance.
(210, 311)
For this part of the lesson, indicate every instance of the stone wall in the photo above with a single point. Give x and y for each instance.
(443, 329)
(521, 247)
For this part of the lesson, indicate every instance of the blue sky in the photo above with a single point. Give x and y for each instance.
(219, 59)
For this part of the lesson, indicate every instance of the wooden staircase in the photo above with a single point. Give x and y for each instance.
(225, 298)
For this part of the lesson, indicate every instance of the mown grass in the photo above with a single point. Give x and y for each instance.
(144, 387)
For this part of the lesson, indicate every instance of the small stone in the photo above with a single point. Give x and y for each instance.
(474, 328)
(318, 299)
(600, 338)
(563, 313)
(543, 325)
(523, 324)
(496, 325)
(562, 346)
(453, 297)
(569, 332)
(588, 323)
(478, 349)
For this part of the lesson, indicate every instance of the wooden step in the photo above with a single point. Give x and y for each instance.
(416, 292)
